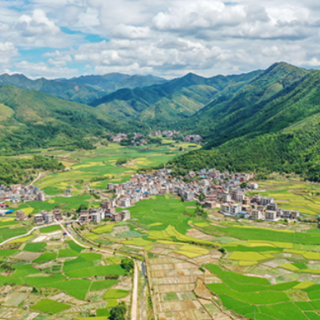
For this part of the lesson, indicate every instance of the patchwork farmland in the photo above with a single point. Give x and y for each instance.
(196, 267)
(59, 280)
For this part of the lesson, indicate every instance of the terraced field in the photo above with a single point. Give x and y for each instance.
(59, 278)
(292, 194)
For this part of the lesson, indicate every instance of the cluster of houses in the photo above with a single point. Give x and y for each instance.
(217, 189)
(167, 133)
(208, 182)
(256, 208)
(193, 138)
(119, 137)
(107, 210)
(43, 217)
(19, 192)
(137, 139)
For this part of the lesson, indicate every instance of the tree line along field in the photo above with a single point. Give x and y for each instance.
(59, 277)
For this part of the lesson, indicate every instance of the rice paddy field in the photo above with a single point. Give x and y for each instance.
(262, 270)
(59, 280)
(292, 194)
(86, 166)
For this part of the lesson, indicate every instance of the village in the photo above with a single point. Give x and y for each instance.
(20, 193)
(140, 139)
(211, 189)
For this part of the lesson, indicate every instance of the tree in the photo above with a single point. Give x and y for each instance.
(127, 264)
(243, 185)
(82, 207)
(118, 312)
(201, 196)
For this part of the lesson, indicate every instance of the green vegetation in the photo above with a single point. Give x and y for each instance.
(35, 247)
(16, 170)
(170, 101)
(50, 306)
(40, 120)
(75, 288)
(164, 211)
(100, 285)
(50, 229)
(115, 294)
(63, 253)
(271, 124)
(83, 89)
(74, 246)
(127, 264)
(118, 312)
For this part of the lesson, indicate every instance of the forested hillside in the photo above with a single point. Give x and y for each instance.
(23, 170)
(31, 119)
(171, 101)
(294, 149)
(283, 136)
(83, 89)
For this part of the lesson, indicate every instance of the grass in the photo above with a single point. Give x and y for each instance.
(96, 271)
(164, 211)
(50, 306)
(74, 246)
(22, 240)
(64, 253)
(35, 247)
(103, 313)
(115, 294)
(50, 229)
(46, 257)
(7, 252)
(24, 270)
(104, 229)
(170, 297)
(266, 234)
(7, 233)
(75, 287)
(100, 285)
(249, 256)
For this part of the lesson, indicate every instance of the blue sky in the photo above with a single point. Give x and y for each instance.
(66, 38)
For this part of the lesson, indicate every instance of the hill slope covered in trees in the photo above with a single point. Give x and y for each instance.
(31, 119)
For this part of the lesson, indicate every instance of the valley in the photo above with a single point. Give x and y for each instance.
(191, 198)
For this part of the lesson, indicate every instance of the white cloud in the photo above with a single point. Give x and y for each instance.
(7, 51)
(35, 25)
(41, 69)
(163, 37)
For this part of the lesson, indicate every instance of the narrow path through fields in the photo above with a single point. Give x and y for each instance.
(26, 234)
(134, 305)
(36, 179)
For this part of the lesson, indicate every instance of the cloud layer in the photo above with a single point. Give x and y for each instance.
(65, 38)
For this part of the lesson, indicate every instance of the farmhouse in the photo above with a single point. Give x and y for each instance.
(20, 215)
(256, 214)
(271, 215)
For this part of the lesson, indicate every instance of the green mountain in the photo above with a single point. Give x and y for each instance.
(111, 82)
(31, 119)
(67, 90)
(271, 124)
(258, 107)
(171, 101)
(83, 89)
